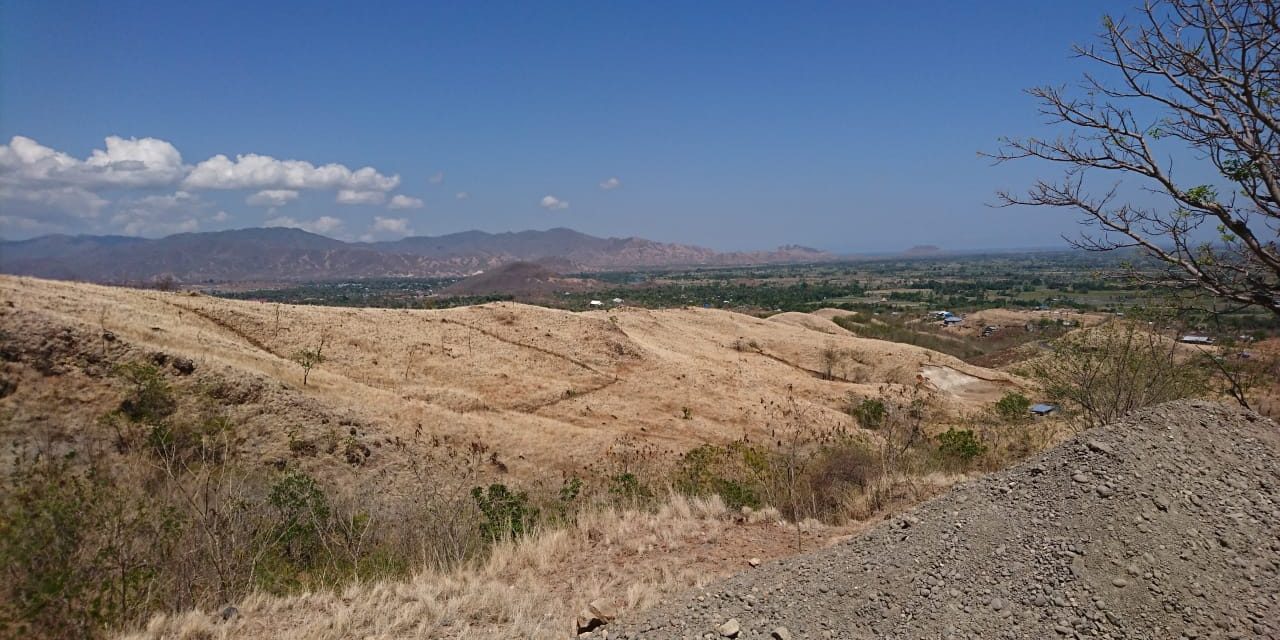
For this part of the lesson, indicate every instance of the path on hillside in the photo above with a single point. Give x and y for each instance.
(534, 347)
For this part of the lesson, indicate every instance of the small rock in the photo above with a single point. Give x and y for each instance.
(1099, 447)
(184, 366)
(587, 622)
(781, 633)
(1120, 582)
(755, 562)
(1104, 491)
(603, 609)
(1082, 478)
(729, 629)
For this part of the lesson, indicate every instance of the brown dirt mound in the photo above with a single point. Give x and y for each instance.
(810, 321)
(1163, 525)
(518, 279)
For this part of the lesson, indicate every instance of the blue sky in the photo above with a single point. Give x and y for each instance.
(845, 126)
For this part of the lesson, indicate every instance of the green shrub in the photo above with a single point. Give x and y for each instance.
(507, 514)
(301, 509)
(724, 471)
(960, 445)
(736, 494)
(627, 487)
(78, 554)
(188, 442)
(870, 413)
(150, 398)
(1013, 407)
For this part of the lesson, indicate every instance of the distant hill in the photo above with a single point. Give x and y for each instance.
(921, 250)
(281, 254)
(519, 279)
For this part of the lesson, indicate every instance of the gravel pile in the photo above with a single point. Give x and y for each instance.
(1165, 525)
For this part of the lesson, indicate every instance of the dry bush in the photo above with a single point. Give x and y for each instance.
(530, 587)
(1113, 369)
(809, 470)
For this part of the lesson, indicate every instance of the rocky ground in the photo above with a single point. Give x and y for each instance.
(1164, 525)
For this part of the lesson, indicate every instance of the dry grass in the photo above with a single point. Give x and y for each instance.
(549, 390)
(547, 393)
(530, 588)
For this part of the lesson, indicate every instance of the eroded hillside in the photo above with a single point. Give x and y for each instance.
(546, 391)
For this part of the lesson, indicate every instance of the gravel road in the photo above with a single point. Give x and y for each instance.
(1165, 525)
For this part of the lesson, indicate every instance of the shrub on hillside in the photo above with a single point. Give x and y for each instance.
(507, 514)
(1013, 407)
(150, 398)
(960, 446)
(870, 413)
(1111, 370)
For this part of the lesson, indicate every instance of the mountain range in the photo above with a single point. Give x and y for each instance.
(285, 254)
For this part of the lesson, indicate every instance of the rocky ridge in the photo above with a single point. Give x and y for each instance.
(1163, 525)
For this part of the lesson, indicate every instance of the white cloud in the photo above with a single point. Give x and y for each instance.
(150, 162)
(462, 195)
(552, 203)
(114, 188)
(437, 178)
(401, 201)
(53, 203)
(253, 171)
(131, 162)
(611, 184)
(323, 224)
(397, 227)
(137, 162)
(272, 198)
(349, 196)
(159, 215)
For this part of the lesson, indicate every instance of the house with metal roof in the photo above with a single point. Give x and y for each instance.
(1043, 409)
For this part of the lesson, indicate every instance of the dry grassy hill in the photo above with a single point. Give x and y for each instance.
(545, 390)
(196, 406)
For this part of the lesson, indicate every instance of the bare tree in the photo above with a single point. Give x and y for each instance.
(1200, 75)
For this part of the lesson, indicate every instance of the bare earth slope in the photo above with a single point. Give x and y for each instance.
(1164, 525)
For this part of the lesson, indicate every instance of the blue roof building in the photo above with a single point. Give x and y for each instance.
(1043, 409)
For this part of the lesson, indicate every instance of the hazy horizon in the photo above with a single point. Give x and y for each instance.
(887, 251)
(848, 129)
